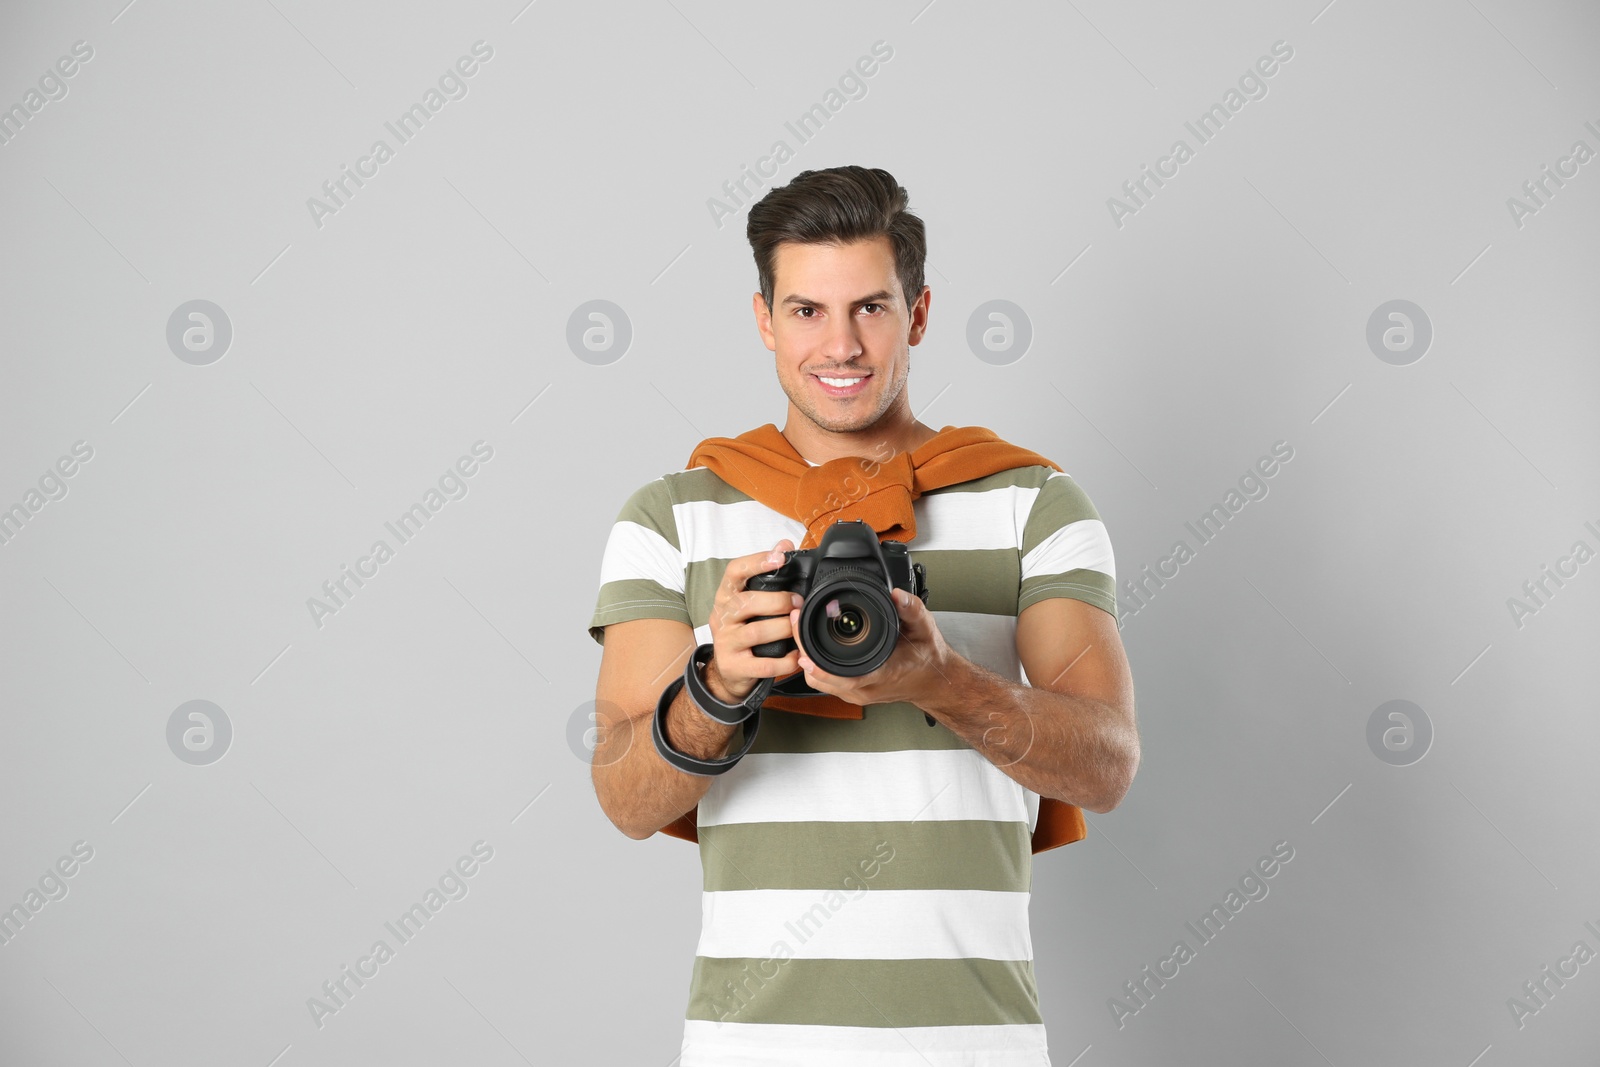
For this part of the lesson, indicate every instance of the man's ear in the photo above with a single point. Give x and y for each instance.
(919, 317)
(763, 314)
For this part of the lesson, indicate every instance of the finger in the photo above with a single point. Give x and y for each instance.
(807, 664)
(753, 666)
(737, 573)
(760, 562)
(753, 602)
(794, 624)
(760, 632)
(913, 613)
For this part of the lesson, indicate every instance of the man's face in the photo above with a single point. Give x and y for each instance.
(838, 314)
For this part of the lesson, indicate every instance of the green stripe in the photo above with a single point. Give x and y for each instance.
(700, 484)
(1060, 502)
(930, 854)
(833, 992)
(651, 506)
(896, 727)
(635, 598)
(1091, 586)
(980, 580)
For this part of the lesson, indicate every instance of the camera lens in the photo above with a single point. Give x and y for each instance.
(850, 626)
(848, 623)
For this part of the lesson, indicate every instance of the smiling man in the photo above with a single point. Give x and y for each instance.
(867, 853)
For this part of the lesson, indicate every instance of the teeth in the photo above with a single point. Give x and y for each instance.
(839, 382)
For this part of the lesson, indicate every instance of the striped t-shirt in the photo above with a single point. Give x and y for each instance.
(866, 882)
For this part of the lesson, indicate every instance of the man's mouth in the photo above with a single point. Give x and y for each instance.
(842, 386)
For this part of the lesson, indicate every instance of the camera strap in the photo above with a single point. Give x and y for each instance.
(747, 712)
(691, 764)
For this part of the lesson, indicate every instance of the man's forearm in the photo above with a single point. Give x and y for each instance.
(641, 792)
(1071, 748)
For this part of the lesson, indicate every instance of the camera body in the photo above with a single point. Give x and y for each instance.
(848, 622)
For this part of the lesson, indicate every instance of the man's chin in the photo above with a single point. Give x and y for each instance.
(846, 425)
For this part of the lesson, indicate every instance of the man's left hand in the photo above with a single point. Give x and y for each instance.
(919, 664)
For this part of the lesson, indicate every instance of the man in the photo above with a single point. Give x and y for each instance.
(866, 874)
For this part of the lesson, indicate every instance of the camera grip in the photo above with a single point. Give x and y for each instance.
(784, 578)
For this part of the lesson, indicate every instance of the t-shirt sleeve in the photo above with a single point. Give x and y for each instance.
(1065, 548)
(641, 573)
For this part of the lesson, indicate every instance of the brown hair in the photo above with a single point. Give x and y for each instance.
(839, 206)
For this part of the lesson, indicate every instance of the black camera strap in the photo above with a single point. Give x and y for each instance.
(706, 701)
(746, 712)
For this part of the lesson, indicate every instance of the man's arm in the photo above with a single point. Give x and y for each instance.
(1071, 734)
(638, 790)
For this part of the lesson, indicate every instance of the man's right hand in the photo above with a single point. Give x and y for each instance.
(736, 627)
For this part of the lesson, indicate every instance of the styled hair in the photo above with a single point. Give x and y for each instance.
(840, 205)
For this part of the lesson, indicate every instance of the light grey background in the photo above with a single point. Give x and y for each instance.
(430, 312)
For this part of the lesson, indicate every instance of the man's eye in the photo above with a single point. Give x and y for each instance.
(798, 310)
(865, 306)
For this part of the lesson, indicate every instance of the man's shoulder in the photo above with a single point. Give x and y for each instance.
(659, 496)
(700, 485)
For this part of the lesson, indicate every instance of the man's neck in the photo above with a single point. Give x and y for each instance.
(879, 441)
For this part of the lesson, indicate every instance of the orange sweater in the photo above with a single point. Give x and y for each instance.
(764, 465)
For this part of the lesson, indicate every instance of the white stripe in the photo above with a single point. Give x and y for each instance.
(900, 786)
(714, 1044)
(866, 924)
(989, 640)
(635, 551)
(709, 530)
(994, 518)
(1078, 544)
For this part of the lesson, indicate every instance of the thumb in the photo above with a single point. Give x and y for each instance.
(912, 611)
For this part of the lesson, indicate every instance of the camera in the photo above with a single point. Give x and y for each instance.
(848, 622)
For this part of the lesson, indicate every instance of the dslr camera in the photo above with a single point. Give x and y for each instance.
(848, 622)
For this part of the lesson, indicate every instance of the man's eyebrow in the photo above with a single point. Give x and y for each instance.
(882, 296)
